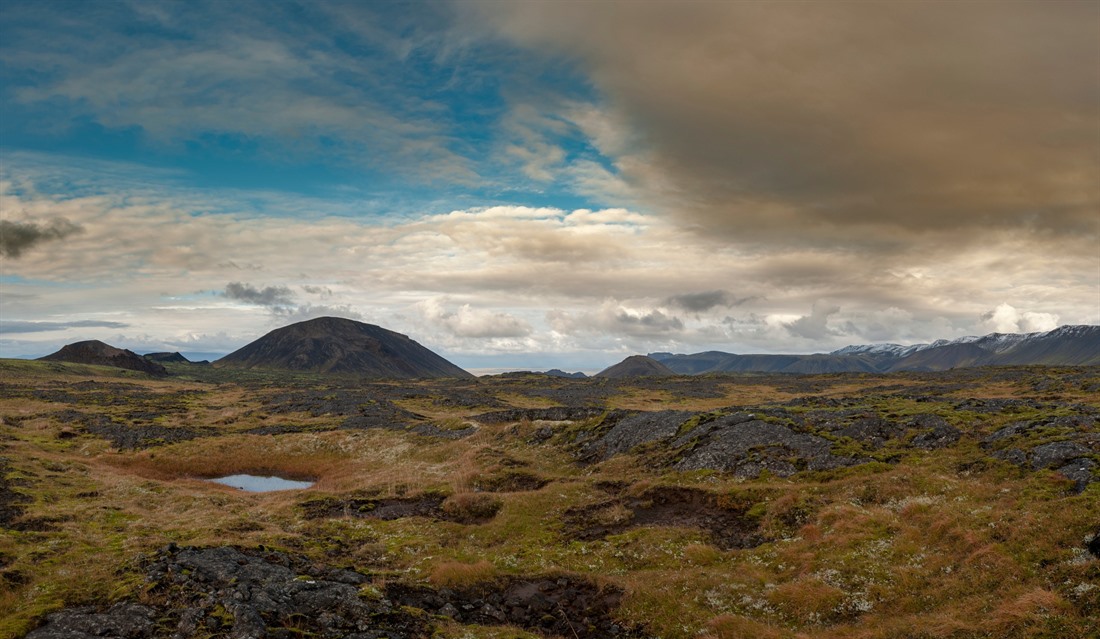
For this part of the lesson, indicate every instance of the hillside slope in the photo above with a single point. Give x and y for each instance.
(336, 345)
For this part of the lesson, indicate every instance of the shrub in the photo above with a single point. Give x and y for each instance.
(471, 507)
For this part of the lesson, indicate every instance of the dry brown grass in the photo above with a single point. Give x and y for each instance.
(454, 574)
(737, 627)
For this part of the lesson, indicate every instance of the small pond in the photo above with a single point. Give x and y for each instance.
(256, 484)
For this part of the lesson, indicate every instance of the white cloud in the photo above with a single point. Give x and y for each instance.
(814, 326)
(503, 279)
(466, 321)
(1005, 318)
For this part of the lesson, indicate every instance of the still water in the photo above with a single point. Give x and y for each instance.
(256, 484)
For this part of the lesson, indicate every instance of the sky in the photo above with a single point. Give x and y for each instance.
(531, 185)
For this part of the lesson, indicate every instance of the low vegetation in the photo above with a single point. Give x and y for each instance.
(955, 512)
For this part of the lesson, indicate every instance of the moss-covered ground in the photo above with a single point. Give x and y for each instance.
(951, 542)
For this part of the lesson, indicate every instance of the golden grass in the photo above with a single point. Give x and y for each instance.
(454, 574)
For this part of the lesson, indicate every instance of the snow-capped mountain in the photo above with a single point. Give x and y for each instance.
(1063, 346)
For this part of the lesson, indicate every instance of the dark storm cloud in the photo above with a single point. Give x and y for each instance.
(17, 237)
(704, 301)
(267, 296)
(874, 125)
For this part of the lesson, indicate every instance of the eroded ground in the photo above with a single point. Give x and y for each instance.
(960, 504)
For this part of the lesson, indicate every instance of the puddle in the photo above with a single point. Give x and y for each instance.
(256, 484)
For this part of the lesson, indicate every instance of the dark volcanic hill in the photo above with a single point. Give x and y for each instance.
(171, 358)
(636, 366)
(100, 354)
(336, 345)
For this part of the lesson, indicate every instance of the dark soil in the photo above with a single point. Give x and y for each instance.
(556, 606)
(725, 519)
(474, 510)
(11, 508)
(512, 481)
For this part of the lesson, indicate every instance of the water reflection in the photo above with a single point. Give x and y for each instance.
(256, 484)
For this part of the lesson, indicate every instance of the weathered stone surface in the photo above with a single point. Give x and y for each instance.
(1080, 471)
(1056, 454)
(240, 594)
(126, 620)
(933, 432)
(750, 448)
(266, 594)
(639, 428)
(552, 414)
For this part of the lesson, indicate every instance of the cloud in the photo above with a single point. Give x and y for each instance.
(17, 237)
(814, 326)
(293, 314)
(706, 300)
(1005, 318)
(275, 82)
(322, 291)
(613, 318)
(470, 322)
(267, 296)
(511, 279)
(12, 327)
(875, 127)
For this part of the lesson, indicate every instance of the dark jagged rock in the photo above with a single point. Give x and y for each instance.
(1069, 455)
(1080, 471)
(126, 620)
(335, 345)
(127, 436)
(1093, 545)
(635, 429)
(1056, 454)
(552, 414)
(97, 353)
(748, 448)
(933, 432)
(241, 593)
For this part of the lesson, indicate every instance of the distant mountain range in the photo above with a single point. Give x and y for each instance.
(1063, 346)
(334, 345)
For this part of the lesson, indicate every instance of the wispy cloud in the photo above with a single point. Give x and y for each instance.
(15, 326)
(267, 296)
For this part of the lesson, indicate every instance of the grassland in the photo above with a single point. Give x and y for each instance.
(101, 468)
